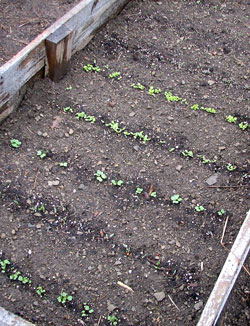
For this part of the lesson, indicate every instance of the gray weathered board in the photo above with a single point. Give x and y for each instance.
(82, 21)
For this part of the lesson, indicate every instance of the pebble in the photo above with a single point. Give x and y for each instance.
(81, 186)
(71, 131)
(198, 305)
(212, 179)
(178, 168)
(136, 148)
(132, 114)
(3, 235)
(110, 306)
(159, 296)
(13, 232)
(53, 183)
(211, 82)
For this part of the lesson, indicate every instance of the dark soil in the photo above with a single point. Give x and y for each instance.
(67, 231)
(22, 20)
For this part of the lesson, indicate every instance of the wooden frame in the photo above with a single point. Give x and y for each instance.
(50, 52)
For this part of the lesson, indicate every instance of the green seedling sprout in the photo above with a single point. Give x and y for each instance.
(153, 194)
(64, 297)
(4, 263)
(113, 320)
(195, 107)
(15, 143)
(40, 290)
(90, 67)
(172, 98)
(206, 160)
(230, 167)
(231, 119)
(81, 115)
(172, 149)
(87, 310)
(115, 126)
(199, 208)
(153, 91)
(139, 190)
(187, 153)
(68, 108)
(115, 74)
(69, 88)
(209, 110)
(117, 183)
(243, 125)
(41, 154)
(221, 212)
(138, 86)
(63, 164)
(176, 199)
(100, 176)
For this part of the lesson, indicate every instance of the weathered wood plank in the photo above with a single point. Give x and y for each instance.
(59, 49)
(227, 277)
(83, 20)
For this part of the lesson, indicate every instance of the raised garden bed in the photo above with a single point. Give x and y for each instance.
(89, 197)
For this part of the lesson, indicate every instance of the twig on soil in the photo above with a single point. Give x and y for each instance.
(19, 41)
(223, 245)
(34, 184)
(99, 320)
(125, 286)
(173, 302)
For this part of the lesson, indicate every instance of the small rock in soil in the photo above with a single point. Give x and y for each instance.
(136, 148)
(159, 296)
(110, 306)
(198, 305)
(81, 186)
(53, 183)
(212, 179)
(178, 168)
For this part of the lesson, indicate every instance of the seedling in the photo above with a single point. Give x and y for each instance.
(172, 149)
(81, 115)
(17, 276)
(231, 167)
(100, 176)
(90, 118)
(113, 320)
(209, 110)
(41, 154)
(4, 264)
(87, 310)
(40, 290)
(188, 153)
(93, 67)
(63, 164)
(68, 108)
(115, 127)
(138, 86)
(199, 208)
(243, 125)
(15, 143)
(206, 160)
(221, 212)
(195, 107)
(152, 91)
(117, 183)
(153, 194)
(140, 135)
(139, 190)
(176, 199)
(157, 265)
(172, 98)
(115, 74)
(69, 88)
(64, 297)
(231, 119)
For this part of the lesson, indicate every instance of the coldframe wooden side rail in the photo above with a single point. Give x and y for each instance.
(66, 36)
(227, 277)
